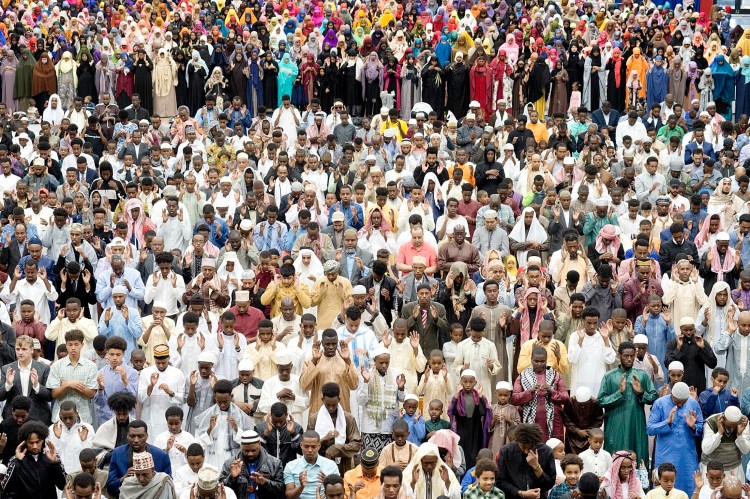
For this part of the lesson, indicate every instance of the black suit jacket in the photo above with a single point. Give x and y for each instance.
(11, 255)
(87, 298)
(598, 118)
(40, 408)
(556, 228)
(386, 304)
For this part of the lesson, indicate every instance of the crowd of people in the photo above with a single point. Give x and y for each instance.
(384, 250)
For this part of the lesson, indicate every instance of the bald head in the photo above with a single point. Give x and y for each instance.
(732, 488)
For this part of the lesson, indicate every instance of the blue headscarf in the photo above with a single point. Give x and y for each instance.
(443, 51)
(723, 75)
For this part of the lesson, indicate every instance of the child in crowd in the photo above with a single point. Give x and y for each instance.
(646, 361)
(470, 414)
(581, 414)
(485, 471)
(717, 398)
(98, 355)
(572, 467)
(436, 421)
(596, 460)
(714, 478)
(450, 349)
(675, 371)
(70, 436)
(411, 415)
(478, 354)
(622, 478)
(187, 474)
(175, 441)
(667, 474)
(558, 451)
(401, 450)
(470, 477)
(436, 383)
(504, 416)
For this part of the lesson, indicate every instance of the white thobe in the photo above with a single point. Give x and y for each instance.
(154, 405)
(176, 457)
(69, 445)
(589, 361)
(165, 291)
(187, 360)
(226, 363)
(405, 362)
(274, 385)
(37, 292)
(476, 355)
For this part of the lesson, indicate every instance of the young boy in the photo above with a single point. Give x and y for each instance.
(667, 474)
(596, 460)
(470, 477)
(581, 414)
(647, 361)
(485, 471)
(504, 416)
(675, 371)
(714, 477)
(450, 348)
(436, 383)
(572, 467)
(406, 355)
(114, 377)
(264, 349)
(199, 388)
(231, 348)
(715, 399)
(70, 436)
(470, 415)
(19, 413)
(621, 329)
(558, 452)
(478, 354)
(87, 461)
(437, 420)
(175, 441)
(76, 369)
(411, 415)
(187, 474)
(190, 343)
(401, 450)
(98, 355)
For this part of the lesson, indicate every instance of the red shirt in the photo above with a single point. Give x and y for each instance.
(469, 210)
(247, 323)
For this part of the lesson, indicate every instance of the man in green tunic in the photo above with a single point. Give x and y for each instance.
(623, 394)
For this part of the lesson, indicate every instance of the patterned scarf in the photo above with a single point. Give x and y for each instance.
(380, 400)
(529, 381)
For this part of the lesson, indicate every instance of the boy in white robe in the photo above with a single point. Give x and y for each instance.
(190, 342)
(175, 441)
(220, 427)
(187, 474)
(70, 436)
(160, 387)
(231, 348)
(407, 357)
(199, 388)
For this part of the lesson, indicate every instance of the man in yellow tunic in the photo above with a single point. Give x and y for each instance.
(286, 285)
(329, 293)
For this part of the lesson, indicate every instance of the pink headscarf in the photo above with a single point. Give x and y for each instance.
(609, 232)
(703, 234)
(139, 226)
(528, 330)
(612, 478)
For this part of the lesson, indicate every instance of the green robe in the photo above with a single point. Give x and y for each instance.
(624, 414)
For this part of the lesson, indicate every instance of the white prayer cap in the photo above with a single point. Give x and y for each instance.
(503, 385)
(221, 203)
(246, 224)
(733, 414)
(245, 365)
(248, 274)
(160, 304)
(379, 350)
(282, 357)
(471, 116)
(474, 104)
(640, 339)
(469, 373)
(359, 290)
(117, 242)
(119, 290)
(722, 236)
(207, 357)
(3, 469)
(602, 202)
(208, 478)
(681, 391)
(249, 437)
(583, 394)
(676, 365)
(225, 180)
(411, 396)
(142, 461)
(687, 321)
(371, 157)
(208, 262)
(553, 442)
(508, 147)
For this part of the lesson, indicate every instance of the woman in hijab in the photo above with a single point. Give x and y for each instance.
(67, 79)
(503, 75)
(44, 81)
(594, 80)
(231, 270)
(124, 85)
(616, 80)
(432, 474)
(637, 62)
(526, 235)
(8, 77)
(216, 86)
(53, 113)
(238, 75)
(164, 84)
(724, 85)
(23, 79)
(724, 202)
(457, 76)
(392, 80)
(559, 95)
(288, 71)
(433, 86)
(372, 82)
(196, 73)
(742, 87)
(657, 83)
(309, 269)
(254, 90)
(538, 86)
(181, 90)
(270, 72)
(142, 69)
(86, 73)
(411, 86)
(309, 72)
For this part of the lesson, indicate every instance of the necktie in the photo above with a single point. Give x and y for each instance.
(245, 387)
(424, 318)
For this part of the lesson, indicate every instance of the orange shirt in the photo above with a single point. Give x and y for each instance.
(539, 129)
(372, 485)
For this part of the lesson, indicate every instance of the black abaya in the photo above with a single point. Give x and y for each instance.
(238, 81)
(433, 89)
(196, 94)
(270, 84)
(615, 94)
(181, 90)
(457, 76)
(326, 84)
(86, 82)
(142, 83)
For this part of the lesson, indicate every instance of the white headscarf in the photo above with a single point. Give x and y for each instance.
(438, 486)
(711, 333)
(53, 116)
(536, 234)
(222, 272)
(315, 268)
